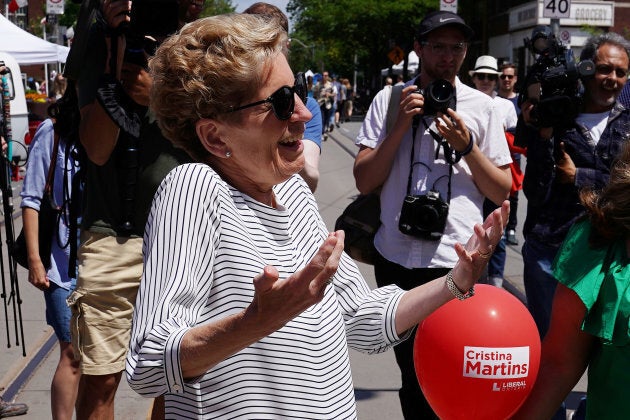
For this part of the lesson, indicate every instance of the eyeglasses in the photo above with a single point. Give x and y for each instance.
(439, 48)
(283, 100)
(483, 76)
(507, 76)
(606, 70)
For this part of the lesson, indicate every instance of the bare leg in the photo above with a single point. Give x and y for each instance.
(96, 396)
(157, 411)
(65, 384)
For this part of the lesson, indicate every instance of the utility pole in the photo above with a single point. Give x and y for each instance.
(303, 45)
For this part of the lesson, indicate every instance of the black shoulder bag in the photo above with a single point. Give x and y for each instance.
(48, 217)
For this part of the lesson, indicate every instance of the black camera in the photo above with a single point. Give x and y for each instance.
(553, 83)
(423, 216)
(438, 96)
(150, 22)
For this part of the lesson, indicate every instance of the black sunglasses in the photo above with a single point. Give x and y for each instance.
(482, 76)
(283, 100)
(507, 76)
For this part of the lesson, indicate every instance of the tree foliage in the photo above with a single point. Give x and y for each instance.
(339, 30)
(217, 7)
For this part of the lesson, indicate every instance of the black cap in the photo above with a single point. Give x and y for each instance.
(440, 18)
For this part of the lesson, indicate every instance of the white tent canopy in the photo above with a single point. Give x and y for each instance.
(412, 65)
(26, 48)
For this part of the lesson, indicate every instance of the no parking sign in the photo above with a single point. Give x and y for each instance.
(54, 7)
(448, 5)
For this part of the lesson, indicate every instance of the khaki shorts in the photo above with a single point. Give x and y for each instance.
(102, 303)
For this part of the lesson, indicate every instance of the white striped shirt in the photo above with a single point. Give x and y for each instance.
(204, 243)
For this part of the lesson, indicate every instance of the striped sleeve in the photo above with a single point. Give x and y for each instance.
(180, 236)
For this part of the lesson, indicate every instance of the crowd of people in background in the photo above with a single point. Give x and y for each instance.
(335, 98)
(234, 167)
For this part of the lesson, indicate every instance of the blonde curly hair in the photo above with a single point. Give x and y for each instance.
(210, 66)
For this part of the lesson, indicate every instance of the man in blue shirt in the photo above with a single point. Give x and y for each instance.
(562, 161)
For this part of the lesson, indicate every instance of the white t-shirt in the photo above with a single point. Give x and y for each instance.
(484, 123)
(507, 113)
(594, 123)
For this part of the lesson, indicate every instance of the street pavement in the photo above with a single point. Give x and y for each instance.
(376, 378)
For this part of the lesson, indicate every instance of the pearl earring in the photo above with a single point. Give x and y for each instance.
(228, 154)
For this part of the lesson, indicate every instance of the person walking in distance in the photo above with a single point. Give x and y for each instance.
(507, 89)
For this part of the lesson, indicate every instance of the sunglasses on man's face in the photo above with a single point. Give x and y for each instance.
(483, 76)
(283, 100)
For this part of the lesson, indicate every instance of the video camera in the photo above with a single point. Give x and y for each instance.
(553, 83)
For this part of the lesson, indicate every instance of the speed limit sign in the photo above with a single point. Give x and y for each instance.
(556, 9)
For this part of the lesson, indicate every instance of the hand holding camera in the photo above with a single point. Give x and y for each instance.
(136, 82)
(565, 167)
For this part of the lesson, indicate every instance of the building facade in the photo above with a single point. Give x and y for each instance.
(505, 24)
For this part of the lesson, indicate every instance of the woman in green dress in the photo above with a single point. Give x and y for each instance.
(590, 321)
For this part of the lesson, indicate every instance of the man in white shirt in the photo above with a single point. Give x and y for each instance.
(472, 138)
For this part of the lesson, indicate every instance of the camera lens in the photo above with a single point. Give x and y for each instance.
(439, 94)
(428, 216)
(442, 91)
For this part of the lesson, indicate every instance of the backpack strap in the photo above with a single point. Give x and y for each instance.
(392, 109)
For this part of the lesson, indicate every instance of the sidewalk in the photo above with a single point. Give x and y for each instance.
(376, 378)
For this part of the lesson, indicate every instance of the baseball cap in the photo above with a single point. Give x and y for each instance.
(440, 18)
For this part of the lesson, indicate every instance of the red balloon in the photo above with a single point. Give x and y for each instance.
(477, 358)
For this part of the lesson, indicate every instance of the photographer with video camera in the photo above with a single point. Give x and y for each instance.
(127, 157)
(435, 165)
(567, 154)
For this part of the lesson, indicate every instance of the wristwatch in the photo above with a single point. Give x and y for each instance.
(450, 284)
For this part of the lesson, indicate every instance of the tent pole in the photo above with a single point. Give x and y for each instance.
(46, 77)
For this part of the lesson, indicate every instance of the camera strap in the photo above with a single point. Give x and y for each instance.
(440, 141)
(450, 155)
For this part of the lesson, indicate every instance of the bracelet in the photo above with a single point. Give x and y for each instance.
(452, 287)
(468, 148)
